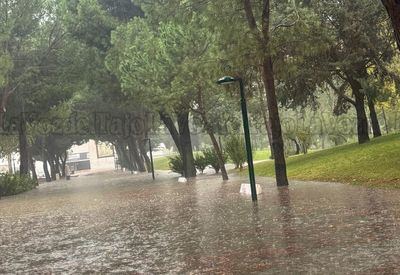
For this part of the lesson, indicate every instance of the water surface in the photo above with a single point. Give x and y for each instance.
(124, 223)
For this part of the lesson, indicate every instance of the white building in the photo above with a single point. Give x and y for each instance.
(93, 155)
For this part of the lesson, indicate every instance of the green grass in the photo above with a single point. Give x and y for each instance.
(161, 163)
(376, 163)
(261, 155)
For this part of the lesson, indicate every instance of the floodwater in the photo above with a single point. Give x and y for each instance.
(124, 223)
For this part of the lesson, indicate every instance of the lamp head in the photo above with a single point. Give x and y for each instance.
(226, 80)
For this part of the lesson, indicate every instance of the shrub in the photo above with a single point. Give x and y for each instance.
(15, 184)
(211, 158)
(236, 149)
(200, 162)
(176, 164)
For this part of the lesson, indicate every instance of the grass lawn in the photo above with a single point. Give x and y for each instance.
(376, 163)
(161, 163)
(261, 155)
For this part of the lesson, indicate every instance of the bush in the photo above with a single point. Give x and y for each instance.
(211, 158)
(200, 162)
(176, 164)
(15, 184)
(236, 149)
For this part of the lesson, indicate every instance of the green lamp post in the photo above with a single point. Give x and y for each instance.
(229, 80)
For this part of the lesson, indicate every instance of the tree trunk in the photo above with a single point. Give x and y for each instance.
(53, 170)
(10, 168)
(385, 119)
(46, 170)
(274, 122)
(266, 123)
(32, 167)
(220, 155)
(123, 156)
(362, 121)
(189, 168)
(64, 164)
(143, 153)
(305, 149)
(133, 149)
(298, 149)
(57, 159)
(217, 146)
(168, 122)
(23, 148)
(376, 128)
(393, 9)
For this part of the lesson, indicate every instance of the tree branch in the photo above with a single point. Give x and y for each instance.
(341, 91)
(265, 19)
(251, 20)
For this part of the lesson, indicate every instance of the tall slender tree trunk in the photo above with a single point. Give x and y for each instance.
(57, 159)
(274, 122)
(182, 140)
(132, 164)
(385, 120)
(266, 123)
(169, 123)
(63, 163)
(46, 170)
(217, 146)
(10, 168)
(32, 166)
(362, 121)
(262, 35)
(53, 169)
(23, 148)
(376, 128)
(220, 155)
(186, 145)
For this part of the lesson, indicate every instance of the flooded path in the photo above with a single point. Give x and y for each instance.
(123, 223)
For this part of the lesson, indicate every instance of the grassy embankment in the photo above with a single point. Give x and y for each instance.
(375, 164)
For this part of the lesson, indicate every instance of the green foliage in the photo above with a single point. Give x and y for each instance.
(117, 56)
(5, 66)
(176, 164)
(8, 145)
(211, 158)
(236, 149)
(15, 184)
(200, 162)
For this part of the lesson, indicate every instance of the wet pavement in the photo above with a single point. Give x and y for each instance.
(123, 223)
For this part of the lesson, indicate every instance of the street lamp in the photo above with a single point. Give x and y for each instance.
(229, 80)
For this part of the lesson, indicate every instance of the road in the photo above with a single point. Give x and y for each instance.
(126, 223)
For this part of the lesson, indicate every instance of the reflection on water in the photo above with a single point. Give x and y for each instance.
(113, 223)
